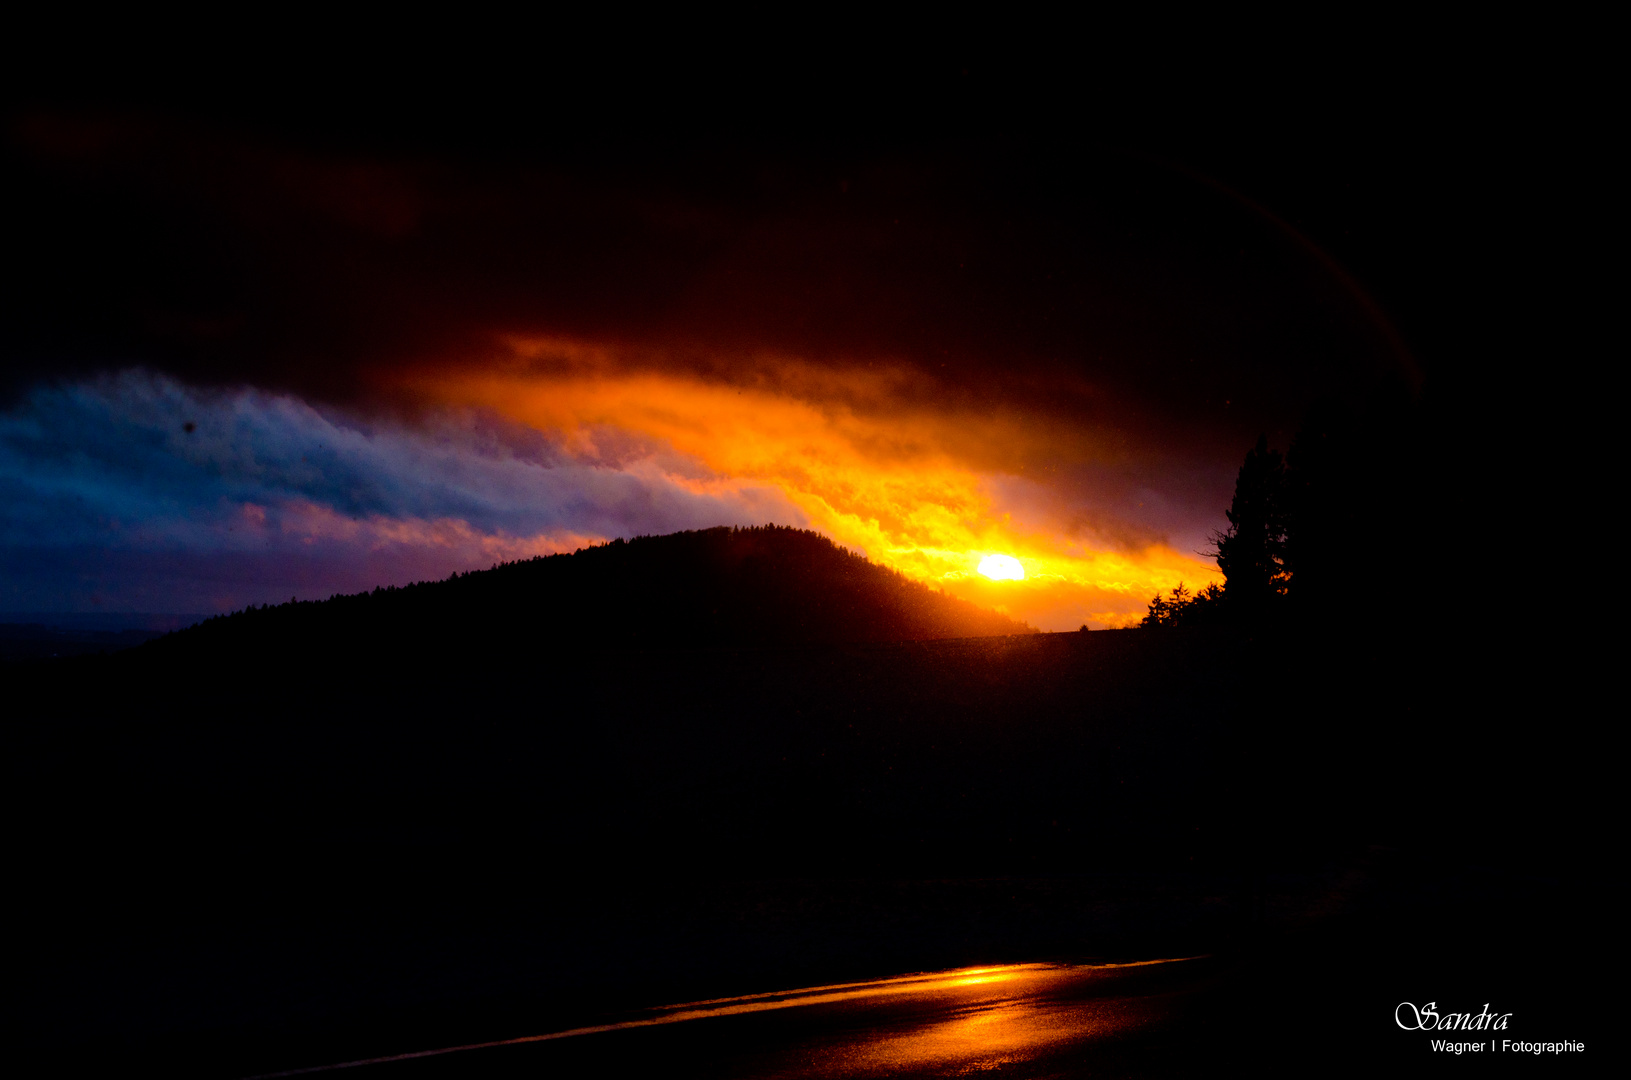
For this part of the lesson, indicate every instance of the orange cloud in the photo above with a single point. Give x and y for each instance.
(875, 457)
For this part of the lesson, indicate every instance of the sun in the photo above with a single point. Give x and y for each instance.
(1002, 568)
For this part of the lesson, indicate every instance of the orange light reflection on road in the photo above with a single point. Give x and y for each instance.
(908, 485)
(1019, 1011)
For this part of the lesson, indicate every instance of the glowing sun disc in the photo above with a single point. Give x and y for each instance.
(1002, 568)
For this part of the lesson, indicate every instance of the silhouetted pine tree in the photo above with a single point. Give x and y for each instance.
(1359, 493)
(1322, 479)
(1327, 532)
(1252, 551)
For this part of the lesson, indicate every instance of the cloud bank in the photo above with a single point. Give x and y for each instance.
(872, 457)
(137, 492)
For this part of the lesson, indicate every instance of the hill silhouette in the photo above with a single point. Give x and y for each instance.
(680, 767)
(766, 585)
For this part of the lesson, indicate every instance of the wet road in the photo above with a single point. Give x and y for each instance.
(1025, 1020)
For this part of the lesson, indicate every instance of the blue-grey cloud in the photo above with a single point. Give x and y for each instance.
(137, 491)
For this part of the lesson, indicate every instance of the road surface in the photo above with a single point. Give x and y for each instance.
(1021, 1020)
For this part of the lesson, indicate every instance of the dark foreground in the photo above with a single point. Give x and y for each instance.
(247, 862)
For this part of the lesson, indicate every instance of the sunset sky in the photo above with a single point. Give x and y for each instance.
(255, 352)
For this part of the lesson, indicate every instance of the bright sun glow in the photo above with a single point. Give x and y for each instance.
(847, 453)
(1002, 568)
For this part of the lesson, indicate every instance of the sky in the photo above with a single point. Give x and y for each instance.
(269, 347)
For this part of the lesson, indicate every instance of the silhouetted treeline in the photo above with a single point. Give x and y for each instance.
(767, 585)
(1336, 529)
(1182, 607)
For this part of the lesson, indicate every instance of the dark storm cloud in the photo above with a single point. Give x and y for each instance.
(999, 268)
